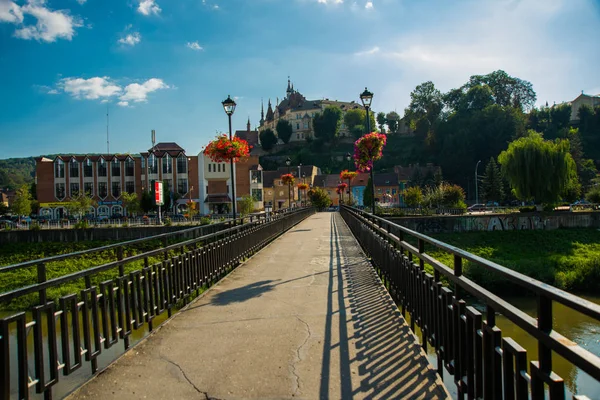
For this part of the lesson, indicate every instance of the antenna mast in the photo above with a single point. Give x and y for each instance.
(107, 141)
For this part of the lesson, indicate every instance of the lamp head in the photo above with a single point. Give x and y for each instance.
(228, 105)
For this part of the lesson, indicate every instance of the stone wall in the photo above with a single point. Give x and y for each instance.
(502, 222)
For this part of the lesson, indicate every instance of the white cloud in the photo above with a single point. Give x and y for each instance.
(131, 39)
(91, 89)
(139, 92)
(10, 12)
(216, 7)
(367, 52)
(194, 46)
(148, 7)
(123, 104)
(369, 5)
(82, 2)
(330, 1)
(50, 25)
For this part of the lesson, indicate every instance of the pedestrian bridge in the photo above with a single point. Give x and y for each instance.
(301, 305)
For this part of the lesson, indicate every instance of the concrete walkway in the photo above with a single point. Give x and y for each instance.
(304, 318)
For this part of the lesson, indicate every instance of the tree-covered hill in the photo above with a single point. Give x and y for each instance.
(14, 172)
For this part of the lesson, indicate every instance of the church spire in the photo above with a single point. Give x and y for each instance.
(248, 125)
(262, 112)
(289, 88)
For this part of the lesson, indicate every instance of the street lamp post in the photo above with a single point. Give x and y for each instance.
(288, 162)
(303, 177)
(476, 187)
(348, 158)
(229, 107)
(366, 97)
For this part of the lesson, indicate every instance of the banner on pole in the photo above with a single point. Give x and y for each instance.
(158, 193)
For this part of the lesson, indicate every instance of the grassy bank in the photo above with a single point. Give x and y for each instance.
(566, 258)
(21, 252)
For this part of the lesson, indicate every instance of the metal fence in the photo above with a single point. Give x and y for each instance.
(471, 348)
(100, 315)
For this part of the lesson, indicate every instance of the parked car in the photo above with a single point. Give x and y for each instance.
(492, 204)
(476, 208)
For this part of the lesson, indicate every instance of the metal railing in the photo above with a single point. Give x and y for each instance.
(483, 363)
(100, 315)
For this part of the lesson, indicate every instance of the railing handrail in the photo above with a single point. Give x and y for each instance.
(61, 257)
(580, 304)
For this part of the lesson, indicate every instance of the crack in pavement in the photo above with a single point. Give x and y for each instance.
(293, 365)
(206, 396)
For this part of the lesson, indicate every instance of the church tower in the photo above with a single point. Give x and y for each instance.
(289, 88)
(262, 112)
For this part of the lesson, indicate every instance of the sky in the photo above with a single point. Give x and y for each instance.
(167, 64)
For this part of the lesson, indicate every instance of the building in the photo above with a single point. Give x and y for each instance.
(276, 193)
(249, 135)
(299, 112)
(357, 186)
(329, 183)
(106, 177)
(7, 196)
(387, 189)
(591, 101)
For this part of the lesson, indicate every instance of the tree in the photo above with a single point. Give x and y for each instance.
(80, 205)
(131, 202)
(21, 204)
(284, 130)
(268, 140)
(452, 195)
(507, 90)
(147, 202)
(381, 121)
(425, 108)
(319, 198)
(354, 117)
(246, 205)
(492, 185)
(368, 194)
(413, 196)
(593, 195)
(538, 169)
(393, 120)
(326, 125)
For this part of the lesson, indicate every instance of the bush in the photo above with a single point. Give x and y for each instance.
(527, 209)
(413, 196)
(452, 194)
(35, 227)
(460, 205)
(167, 221)
(83, 224)
(205, 221)
(593, 195)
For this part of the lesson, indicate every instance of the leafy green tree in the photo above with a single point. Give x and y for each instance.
(425, 108)
(80, 205)
(319, 198)
(131, 202)
(246, 205)
(452, 195)
(589, 128)
(268, 140)
(416, 178)
(393, 121)
(368, 194)
(326, 125)
(413, 196)
(357, 131)
(354, 117)
(147, 202)
(492, 185)
(381, 121)
(21, 204)
(284, 130)
(593, 195)
(507, 91)
(538, 169)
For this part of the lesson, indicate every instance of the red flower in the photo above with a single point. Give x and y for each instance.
(222, 149)
(287, 179)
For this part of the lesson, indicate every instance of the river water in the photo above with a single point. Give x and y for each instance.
(571, 324)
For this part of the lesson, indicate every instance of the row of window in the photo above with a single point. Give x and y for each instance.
(167, 164)
(88, 188)
(212, 167)
(115, 168)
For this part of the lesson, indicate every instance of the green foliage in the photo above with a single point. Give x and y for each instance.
(507, 91)
(492, 185)
(381, 121)
(566, 258)
(131, 202)
(413, 196)
(393, 120)
(80, 205)
(246, 205)
(268, 140)
(326, 125)
(368, 194)
(21, 204)
(589, 128)
(538, 169)
(284, 130)
(167, 221)
(425, 108)
(205, 221)
(319, 198)
(16, 172)
(527, 209)
(354, 117)
(83, 224)
(147, 202)
(593, 195)
(453, 195)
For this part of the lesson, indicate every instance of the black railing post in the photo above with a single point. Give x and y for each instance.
(41, 278)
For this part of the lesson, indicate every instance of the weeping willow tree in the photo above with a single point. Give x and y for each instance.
(538, 169)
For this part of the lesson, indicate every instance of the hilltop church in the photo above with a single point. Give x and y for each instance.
(300, 113)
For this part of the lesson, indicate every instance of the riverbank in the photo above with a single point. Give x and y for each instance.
(566, 258)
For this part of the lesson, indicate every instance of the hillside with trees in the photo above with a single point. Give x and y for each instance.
(15, 172)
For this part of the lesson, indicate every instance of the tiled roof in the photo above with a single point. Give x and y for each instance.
(387, 179)
(269, 178)
(360, 180)
(251, 137)
(329, 180)
(168, 146)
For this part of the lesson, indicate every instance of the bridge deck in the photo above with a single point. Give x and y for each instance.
(306, 317)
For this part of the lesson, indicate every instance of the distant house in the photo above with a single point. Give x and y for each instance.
(591, 101)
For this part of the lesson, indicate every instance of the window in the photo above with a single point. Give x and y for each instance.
(102, 167)
(207, 189)
(59, 169)
(74, 189)
(129, 187)
(182, 186)
(219, 167)
(297, 136)
(116, 189)
(209, 167)
(143, 165)
(168, 185)
(103, 210)
(102, 189)
(305, 124)
(181, 164)
(87, 169)
(60, 190)
(297, 126)
(74, 169)
(297, 116)
(152, 165)
(257, 194)
(88, 188)
(115, 168)
(129, 166)
(256, 177)
(167, 164)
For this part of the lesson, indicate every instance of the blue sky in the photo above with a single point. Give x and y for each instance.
(167, 64)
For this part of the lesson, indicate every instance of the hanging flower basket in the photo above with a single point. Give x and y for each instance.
(367, 149)
(222, 149)
(346, 175)
(287, 179)
(342, 186)
(303, 186)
